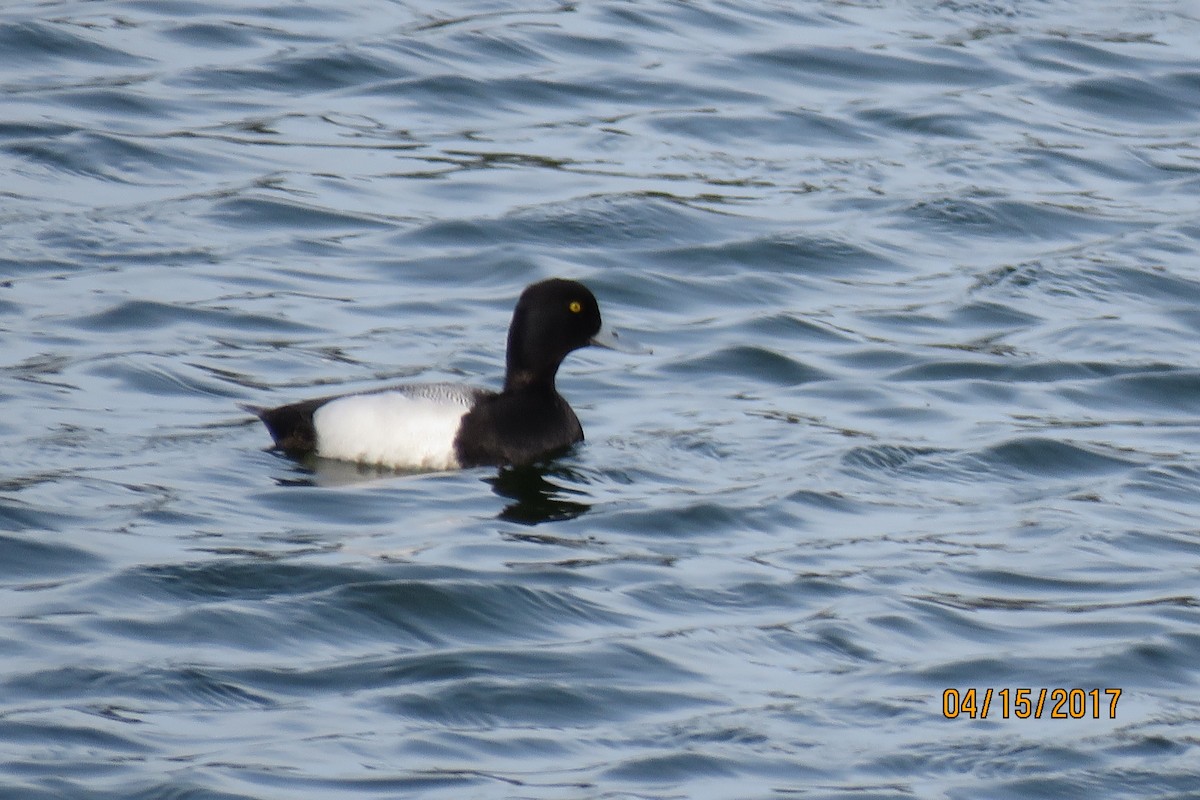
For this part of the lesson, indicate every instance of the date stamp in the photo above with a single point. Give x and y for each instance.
(1031, 703)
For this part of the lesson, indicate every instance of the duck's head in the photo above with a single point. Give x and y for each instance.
(552, 318)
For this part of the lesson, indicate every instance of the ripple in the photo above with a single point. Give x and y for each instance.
(48, 42)
(1166, 99)
(108, 158)
(469, 611)
(300, 74)
(1077, 55)
(829, 66)
(1012, 219)
(885, 457)
(232, 580)
(1170, 482)
(607, 221)
(255, 212)
(1052, 458)
(164, 377)
(143, 315)
(620, 663)
(331, 606)
(24, 559)
(189, 686)
(1171, 392)
(20, 732)
(794, 255)
(1003, 372)
(475, 703)
(754, 364)
(672, 768)
(206, 35)
(782, 127)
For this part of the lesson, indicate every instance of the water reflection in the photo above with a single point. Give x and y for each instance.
(537, 499)
(311, 470)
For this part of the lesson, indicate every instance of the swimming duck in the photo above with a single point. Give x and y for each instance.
(441, 426)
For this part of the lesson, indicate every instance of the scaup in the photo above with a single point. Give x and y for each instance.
(445, 426)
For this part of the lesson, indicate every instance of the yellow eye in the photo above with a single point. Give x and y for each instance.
(575, 306)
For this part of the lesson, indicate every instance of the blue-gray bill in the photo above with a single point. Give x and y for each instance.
(609, 339)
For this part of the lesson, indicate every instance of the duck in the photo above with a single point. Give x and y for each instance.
(447, 426)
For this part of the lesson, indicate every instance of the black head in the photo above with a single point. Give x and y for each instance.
(552, 318)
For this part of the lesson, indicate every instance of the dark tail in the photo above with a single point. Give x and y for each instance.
(291, 426)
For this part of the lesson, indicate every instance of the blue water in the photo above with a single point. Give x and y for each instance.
(922, 413)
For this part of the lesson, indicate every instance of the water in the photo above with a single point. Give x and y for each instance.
(921, 283)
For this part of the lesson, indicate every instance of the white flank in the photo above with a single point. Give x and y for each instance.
(402, 429)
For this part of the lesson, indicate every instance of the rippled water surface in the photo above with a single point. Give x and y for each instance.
(921, 282)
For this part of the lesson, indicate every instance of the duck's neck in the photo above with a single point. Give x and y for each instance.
(530, 368)
(518, 378)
